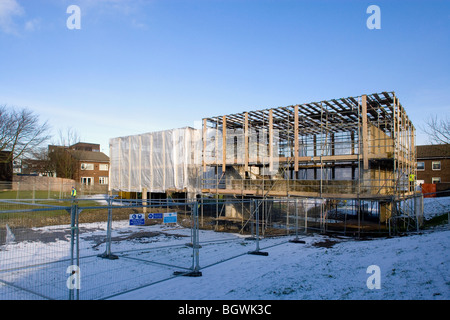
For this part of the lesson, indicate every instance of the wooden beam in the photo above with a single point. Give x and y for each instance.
(224, 143)
(296, 151)
(246, 151)
(270, 140)
(365, 141)
(204, 146)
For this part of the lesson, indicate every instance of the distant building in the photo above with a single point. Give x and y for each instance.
(82, 162)
(80, 146)
(92, 167)
(433, 164)
(34, 167)
(84, 146)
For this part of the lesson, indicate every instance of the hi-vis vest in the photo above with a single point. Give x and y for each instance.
(411, 177)
(74, 192)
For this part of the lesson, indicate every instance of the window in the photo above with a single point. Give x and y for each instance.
(436, 165)
(87, 181)
(103, 180)
(436, 180)
(103, 167)
(87, 166)
(421, 166)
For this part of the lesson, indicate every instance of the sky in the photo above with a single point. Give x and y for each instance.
(137, 66)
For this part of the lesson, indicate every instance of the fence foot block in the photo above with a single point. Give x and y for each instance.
(191, 245)
(188, 274)
(297, 241)
(108, 256)
(259, 253)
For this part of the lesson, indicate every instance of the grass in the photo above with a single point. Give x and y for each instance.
(436, 221)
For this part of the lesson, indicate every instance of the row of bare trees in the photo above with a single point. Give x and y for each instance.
(24, 136)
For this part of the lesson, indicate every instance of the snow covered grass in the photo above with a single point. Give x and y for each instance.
(412, 267)
(324, 267)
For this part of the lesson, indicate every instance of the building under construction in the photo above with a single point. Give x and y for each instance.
(358, 150)
(348, 163)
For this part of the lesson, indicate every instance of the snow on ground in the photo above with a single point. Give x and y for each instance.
(326, 268)
(412, 267)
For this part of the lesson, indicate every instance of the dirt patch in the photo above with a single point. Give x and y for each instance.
(140, 236)
(327, 243)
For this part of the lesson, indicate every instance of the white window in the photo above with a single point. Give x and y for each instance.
(87, 181)
(103, 167)
(436, 180)
(436, 165)
(87, 166)
(103, 180)
(420, 166)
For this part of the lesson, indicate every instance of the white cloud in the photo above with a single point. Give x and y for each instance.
(8, 10)
(32, 25)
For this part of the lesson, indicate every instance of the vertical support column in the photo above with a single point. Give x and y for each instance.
(151, 163)
(270, 141)
(195, 268)
(246, 148)
(144, 200)
(140, 162)
(72, 244)
(119, 154)
(296, 239)
(129, 163)
(111, 156)
(107, 254)
(204, 146)
(412, 153)
(296, 151)
(163, 168)
(365, 141)
(73, 282)
(224, 143)
(257, 250)
(195, 243)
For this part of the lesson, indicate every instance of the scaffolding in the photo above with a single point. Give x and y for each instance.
(358, 148)
(353, 158)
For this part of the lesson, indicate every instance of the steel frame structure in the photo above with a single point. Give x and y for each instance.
(360, 148)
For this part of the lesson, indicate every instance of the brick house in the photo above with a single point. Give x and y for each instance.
(433, 164)
(82, 162)
(92, 167)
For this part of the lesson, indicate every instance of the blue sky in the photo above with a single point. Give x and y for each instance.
(137, 66)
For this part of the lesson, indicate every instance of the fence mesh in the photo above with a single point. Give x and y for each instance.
(99, 248)
(85, 251)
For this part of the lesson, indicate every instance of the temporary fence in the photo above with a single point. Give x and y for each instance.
(52, 251)
(98, 249)
(285, 216)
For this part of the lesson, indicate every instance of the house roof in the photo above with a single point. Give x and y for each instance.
(89, 156)
(433, 151)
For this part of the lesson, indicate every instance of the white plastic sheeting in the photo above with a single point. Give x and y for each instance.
(171, 160)
(158, 161)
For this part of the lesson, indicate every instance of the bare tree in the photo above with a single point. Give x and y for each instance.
(67, 138)
(21, 132)
(60, 159)
(437, 129)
